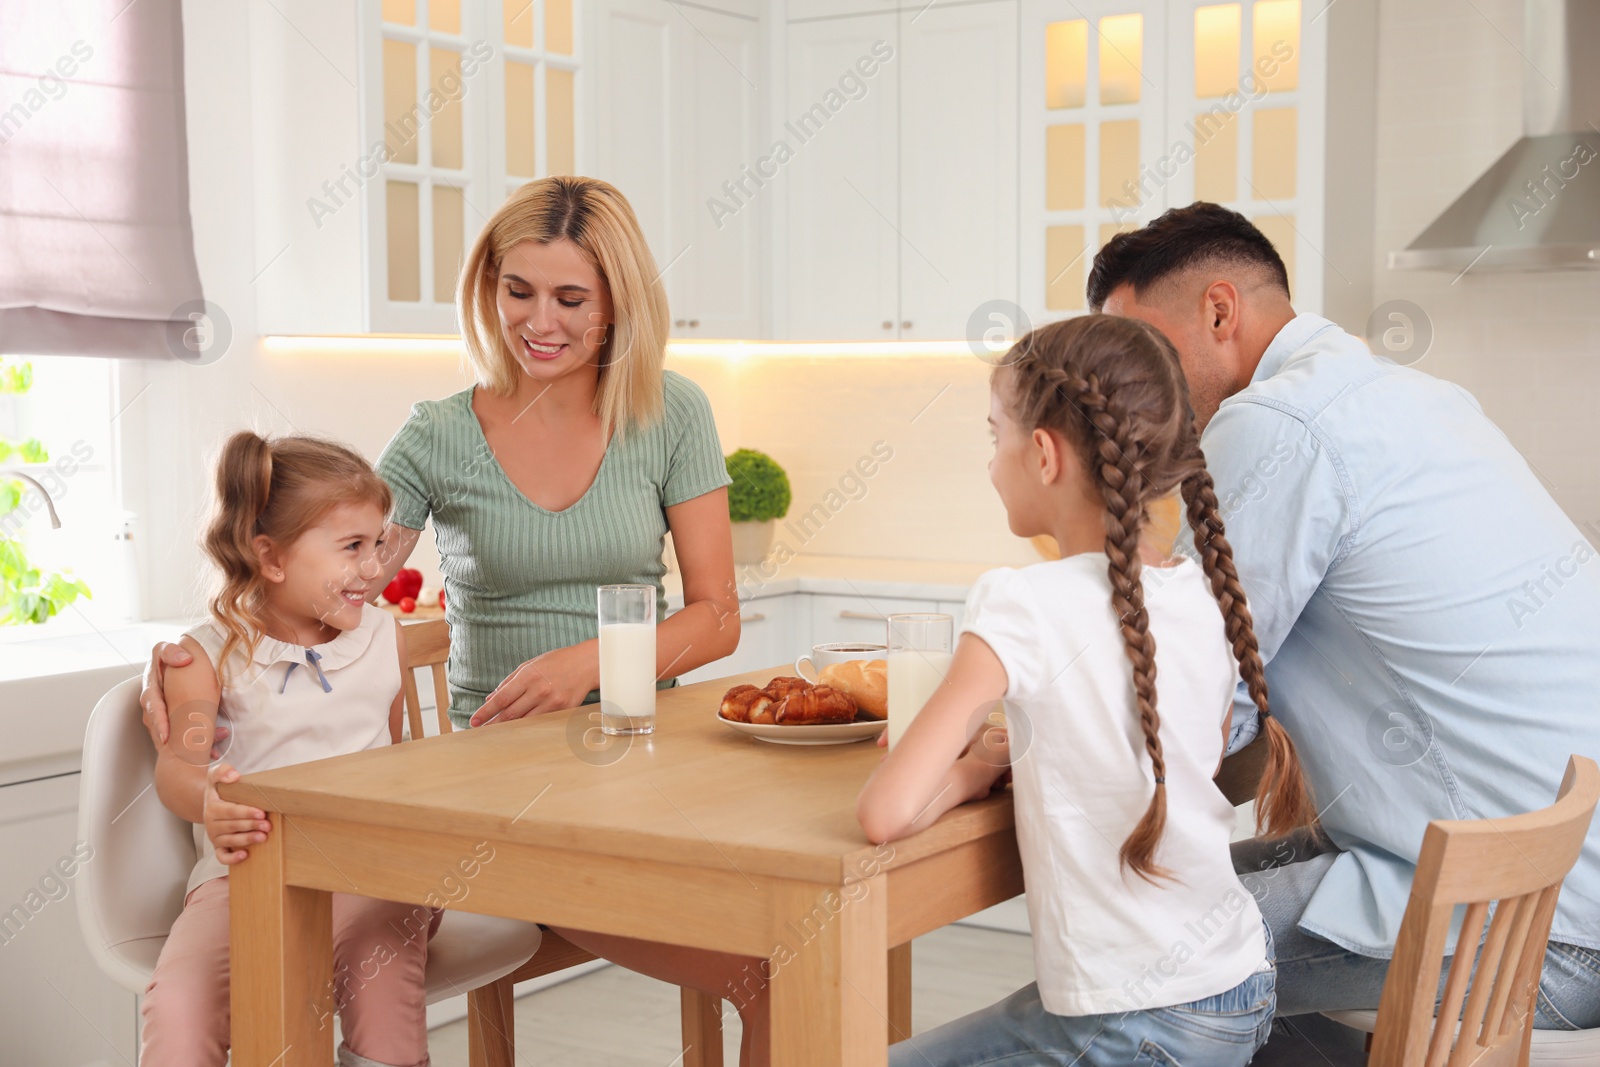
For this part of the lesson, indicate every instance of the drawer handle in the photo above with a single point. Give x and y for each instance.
(863, 615)
(755, 617)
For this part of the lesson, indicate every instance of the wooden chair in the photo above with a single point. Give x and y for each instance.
(490, 1020)
(1517, 864)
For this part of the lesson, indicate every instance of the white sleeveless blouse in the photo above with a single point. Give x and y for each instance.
(292, 704)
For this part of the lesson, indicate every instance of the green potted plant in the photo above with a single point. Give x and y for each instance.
(27, 595)
(758, 497)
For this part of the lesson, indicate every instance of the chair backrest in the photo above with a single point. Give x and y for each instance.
(132, 889)
(427, 645)
(1517, 865)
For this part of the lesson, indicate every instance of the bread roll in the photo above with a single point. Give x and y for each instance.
(866, 680)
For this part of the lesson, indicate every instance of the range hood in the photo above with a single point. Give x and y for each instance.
(1538, 207)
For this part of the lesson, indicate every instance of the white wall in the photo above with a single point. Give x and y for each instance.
(1526, 345)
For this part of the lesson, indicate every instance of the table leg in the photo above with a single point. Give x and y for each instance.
(900, 992)
(702, 1028)
(830, 982)
(281, 969)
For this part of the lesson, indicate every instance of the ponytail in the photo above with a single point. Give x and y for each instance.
(1114, 464)
(1283, 798)
(244, 483)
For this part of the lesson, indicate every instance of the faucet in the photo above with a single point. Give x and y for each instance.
(50, 505)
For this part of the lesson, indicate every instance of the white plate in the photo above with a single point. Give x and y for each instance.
(842, 733)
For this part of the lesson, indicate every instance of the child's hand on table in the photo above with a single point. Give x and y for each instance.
(231, 827)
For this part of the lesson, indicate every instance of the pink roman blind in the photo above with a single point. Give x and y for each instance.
(96, 248)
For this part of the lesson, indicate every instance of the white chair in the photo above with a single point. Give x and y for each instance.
(133, 890)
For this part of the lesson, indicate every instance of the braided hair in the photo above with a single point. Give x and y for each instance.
(1114, 389)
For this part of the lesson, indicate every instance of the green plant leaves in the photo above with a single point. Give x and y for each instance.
(15, 377)
(760, 489)
(26, 595)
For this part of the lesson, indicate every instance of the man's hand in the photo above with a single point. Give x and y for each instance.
(559, 679)
(231, 827)
(153, 698)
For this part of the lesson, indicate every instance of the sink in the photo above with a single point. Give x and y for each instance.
(50, 683)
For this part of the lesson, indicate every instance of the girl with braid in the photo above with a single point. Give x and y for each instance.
(1116, 668)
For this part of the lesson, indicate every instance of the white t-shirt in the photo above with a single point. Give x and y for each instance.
(1105, 940)
(281, 709)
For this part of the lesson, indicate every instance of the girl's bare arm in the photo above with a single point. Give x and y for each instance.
(931, 769)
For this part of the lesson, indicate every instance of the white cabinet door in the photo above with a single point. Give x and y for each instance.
(56, 1006)
(841, 181)
(676, 116)
(722, 171)
(767, 637)
(858, 618)
(958, 165)
(634, 81)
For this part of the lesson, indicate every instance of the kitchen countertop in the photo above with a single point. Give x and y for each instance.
(848, 576)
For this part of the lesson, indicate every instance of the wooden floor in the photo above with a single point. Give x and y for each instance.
(615, 1018)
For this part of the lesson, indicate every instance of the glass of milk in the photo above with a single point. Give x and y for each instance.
(920, 647)
(627, 659)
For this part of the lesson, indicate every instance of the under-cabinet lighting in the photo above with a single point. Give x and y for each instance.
(448, 344)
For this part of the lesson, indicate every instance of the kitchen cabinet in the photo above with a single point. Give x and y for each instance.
(862, 619)
(56, 1006)
(676, 127)
(1132, 107)
(841, 186)
(771, 631)
(901, 197)
(777, 629)
(385, 134)
(958, 165)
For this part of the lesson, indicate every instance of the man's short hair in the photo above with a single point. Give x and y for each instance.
(1182, 237)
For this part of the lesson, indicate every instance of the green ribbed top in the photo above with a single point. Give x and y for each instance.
(520, 580)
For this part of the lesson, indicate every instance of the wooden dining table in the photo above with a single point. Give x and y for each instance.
(694, 835)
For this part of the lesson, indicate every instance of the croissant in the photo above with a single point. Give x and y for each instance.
(743, 702)
(782, 686)
(815, 706)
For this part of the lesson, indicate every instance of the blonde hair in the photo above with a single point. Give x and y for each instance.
(597, 218)
(280, 488)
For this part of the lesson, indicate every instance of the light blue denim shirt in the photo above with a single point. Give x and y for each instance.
(1429, 617)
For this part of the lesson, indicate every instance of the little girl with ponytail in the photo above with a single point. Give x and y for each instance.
(299, 667)
(1147, 947)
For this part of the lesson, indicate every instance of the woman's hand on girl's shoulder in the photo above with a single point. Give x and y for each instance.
(231, 827)
(558, 679)
(153, 697)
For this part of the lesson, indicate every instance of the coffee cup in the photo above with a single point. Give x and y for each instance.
(822, 656)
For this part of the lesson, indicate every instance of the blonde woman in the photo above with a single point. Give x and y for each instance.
(560, 470)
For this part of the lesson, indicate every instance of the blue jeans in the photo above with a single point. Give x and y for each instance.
(1316, 975)
(1220, 1031)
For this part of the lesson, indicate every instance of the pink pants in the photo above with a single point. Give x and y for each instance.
(380, 950)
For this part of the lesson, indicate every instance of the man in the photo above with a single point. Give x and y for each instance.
(1429, 617)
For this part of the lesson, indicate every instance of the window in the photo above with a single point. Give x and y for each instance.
(70, 409)
(468, 100)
